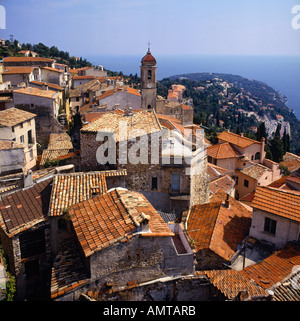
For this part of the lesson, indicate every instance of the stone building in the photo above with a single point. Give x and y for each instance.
(123, 240)
(168, 168)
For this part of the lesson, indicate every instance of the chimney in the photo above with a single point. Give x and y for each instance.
(262, 153)
(28, 179)
(242, 134)
(144, 225)
(226, 204)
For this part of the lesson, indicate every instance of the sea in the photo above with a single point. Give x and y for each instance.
(279, 72)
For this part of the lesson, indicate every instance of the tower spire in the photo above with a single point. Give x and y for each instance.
(149, 46)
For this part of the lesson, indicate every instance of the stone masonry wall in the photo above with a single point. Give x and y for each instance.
(141, 259)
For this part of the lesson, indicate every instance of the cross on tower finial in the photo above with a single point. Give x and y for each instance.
(149, 46)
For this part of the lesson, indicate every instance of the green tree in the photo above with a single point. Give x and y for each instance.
(276, 146)
(261, 132)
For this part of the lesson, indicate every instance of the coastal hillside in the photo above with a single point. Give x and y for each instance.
(225, 101)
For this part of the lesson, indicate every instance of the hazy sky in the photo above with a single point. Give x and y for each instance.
(116, 27)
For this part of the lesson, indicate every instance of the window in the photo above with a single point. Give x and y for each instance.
(30, 139)
(154, 183)
(149, 75)
(236, 178)
(32, 243)
(77, 98)
(22, 139)
(270, 226)
(257, 156)
(62, 224)
(246, 183)
(175, 182)
(31, 106)
(31, 154)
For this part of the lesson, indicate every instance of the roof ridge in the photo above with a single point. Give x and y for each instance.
(136, 223)
(279, 190)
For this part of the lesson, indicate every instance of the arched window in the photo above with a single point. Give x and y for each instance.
(149, 74)
(257, 155)
(149, 107)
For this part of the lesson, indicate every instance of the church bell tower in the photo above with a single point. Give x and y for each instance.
(148, 81)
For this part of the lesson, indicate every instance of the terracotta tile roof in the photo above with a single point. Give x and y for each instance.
(277, 201)
(25, 208)
(232, 282)
(60, 141)
(223, 150)
(26, 59)
(148, 58)
(84, 88)
(89, 117)
(5, 145)
(37, 92)
(220, 229)
(248, 198)
(17, 70)
(52, 69)
(291, 164)
(70, 189)
(170, 122)
(13, 116)
(279, 183)
(287, 291)
(50, 85)
(68, 271)
(237, 139)
(225, 183)
(109, 122)
(274, 268)
(114, 217)
(255, 171)
(185, 107)
(215, 172)
(49, 155)
(83, 77)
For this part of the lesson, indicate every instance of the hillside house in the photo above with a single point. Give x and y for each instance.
(20, 75)
(28, 53)
(120, 98)
(53, 75)
(251, 149)
(45, 104)
(249, 178)
(276, 216)
(83, 94)
(28, 62)
(18, 128)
